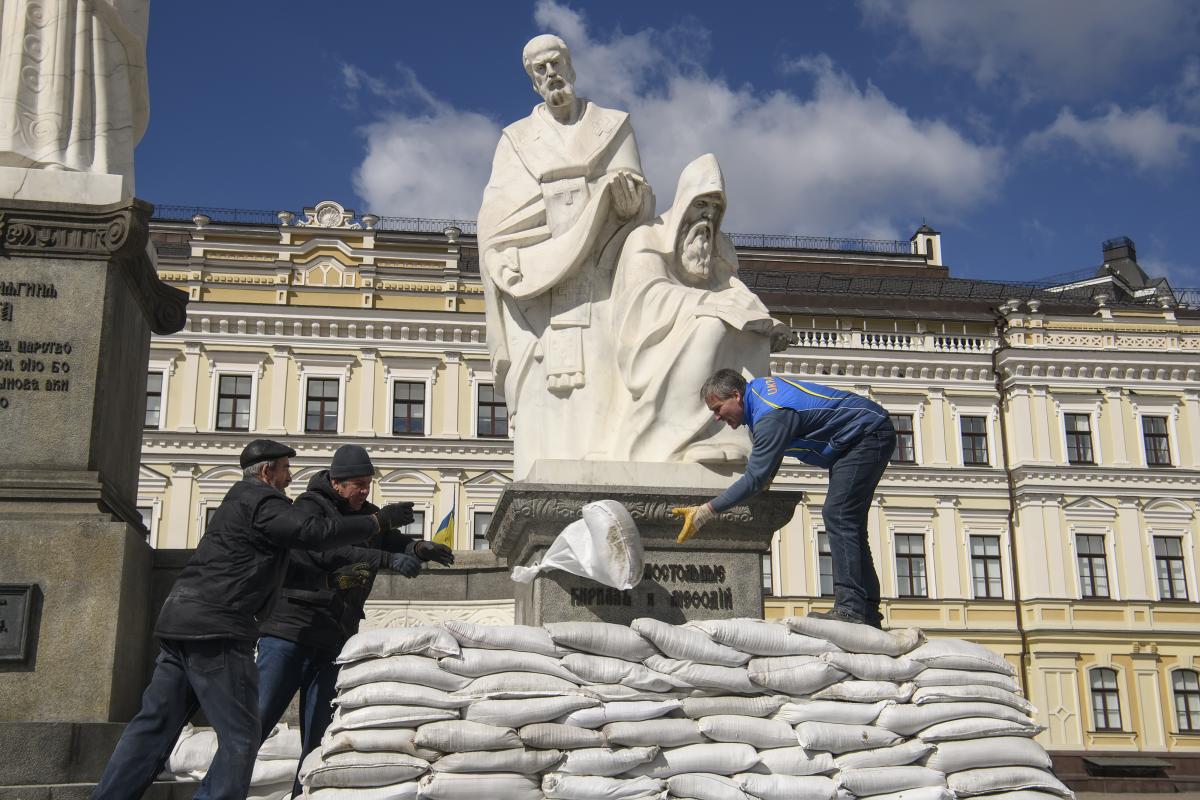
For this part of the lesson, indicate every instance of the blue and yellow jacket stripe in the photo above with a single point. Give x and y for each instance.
(831, 420)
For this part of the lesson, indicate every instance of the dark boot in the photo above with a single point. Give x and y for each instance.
(840, 615)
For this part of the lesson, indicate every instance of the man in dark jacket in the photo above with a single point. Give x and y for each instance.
(847, 433)
(209, 624)
(321, 603)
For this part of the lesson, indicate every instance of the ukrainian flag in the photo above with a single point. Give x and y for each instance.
(445, 531)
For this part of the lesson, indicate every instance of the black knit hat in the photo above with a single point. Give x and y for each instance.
(264, 450)
(350, 461)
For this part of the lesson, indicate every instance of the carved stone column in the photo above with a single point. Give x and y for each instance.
(715, 575)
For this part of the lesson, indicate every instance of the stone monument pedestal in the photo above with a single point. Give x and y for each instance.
(79, 296)
(717, 574)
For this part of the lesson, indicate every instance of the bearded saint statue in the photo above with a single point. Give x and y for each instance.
(680, 313)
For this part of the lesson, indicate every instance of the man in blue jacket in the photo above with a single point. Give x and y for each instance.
(847, 433)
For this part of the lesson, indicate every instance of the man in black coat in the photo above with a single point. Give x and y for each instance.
(321, 603)
(209, 624)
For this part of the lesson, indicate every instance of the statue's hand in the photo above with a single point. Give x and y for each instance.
(503, 267)
(781, 339)
(627, 195)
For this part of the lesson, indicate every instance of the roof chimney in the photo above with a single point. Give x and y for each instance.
(1118, 248)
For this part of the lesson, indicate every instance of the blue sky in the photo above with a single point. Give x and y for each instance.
(1026, 131)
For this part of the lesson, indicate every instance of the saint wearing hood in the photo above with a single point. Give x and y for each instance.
(680, 313)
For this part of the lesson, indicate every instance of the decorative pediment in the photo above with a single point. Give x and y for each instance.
(328, 214)
(488, 479)
(221, 477)
(1089, 508)
(1167, 509)
(149, 480)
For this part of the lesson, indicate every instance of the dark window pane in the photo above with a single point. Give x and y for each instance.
(825, 564)
(492, 413)
(1079, 438)
(233, 402)
(321, 406)
(1186, 686)
(1106, 700)
(974, 440)
(479, 534)
(905, 452)
(910, 566)
(408, 408)
(154, 382)
(985, 567)
(1169, 569)
(1093, 567)
(1156, 441)
(766, 574)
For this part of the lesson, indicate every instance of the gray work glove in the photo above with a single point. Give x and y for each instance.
(406, 565)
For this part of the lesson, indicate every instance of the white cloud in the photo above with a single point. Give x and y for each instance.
(1145, 137)
(842, 159)
(1055, 48)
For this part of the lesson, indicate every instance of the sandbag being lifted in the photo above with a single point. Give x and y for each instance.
(605, 546)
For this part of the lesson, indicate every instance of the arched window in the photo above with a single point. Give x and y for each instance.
(1186, 685)
(1106, 702)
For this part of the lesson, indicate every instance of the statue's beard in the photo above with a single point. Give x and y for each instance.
(696, 253)
(560, 96)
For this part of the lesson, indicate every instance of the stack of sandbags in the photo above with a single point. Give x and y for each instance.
(717, 710)
(274, 768)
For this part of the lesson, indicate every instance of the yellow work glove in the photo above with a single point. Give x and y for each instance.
(694, 518)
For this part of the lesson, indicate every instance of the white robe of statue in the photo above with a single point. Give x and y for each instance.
(73, 92)
(678, 318)
(549, 236)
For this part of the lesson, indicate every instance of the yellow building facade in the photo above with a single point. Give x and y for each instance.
(1043, 500)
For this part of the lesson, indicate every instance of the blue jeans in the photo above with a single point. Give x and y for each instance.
(217, 675)
(283, 668)
(852, 482)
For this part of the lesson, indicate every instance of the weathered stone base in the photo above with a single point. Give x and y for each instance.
(715, 575)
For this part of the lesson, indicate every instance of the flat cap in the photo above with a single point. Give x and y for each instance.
(264, 450)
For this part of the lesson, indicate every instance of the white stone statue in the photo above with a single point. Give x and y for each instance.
(73, 98)
(566, 188)
(680, 314)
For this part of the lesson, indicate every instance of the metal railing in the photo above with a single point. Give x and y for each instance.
(420, 225)
(772, 241)
(236, 216)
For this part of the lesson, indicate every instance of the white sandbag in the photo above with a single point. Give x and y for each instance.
(763, 706)
(193, 751)
(273, 791)
(686, 644)
(886, 780)
(898, 755)
(761, 733)
(604, 546)
(794, 761)
(605, 670)
(908, 719)
(479, 785)
(462, 735)
(598, 715)
(977, 692)
(283, 743)
(274, 770)
(601, 638)
(397, 791)
(832, 737)
(524, 638)
(855, 638)
(795, 675)
(517, 685)
(424, 640)
(995, 779)
(995, 751)
(1019, 794)
(800, 710)
(616, 693)
(556, 736)
(961, 654)
(516, 713)
(937, 676)
(374, 769)
(759, 638)
(406, 669)
(786, 787)
(705, 786)
(561, 786)
(378, 740)
(977, 727)
(653, 732)
(720, 759)
(866, 692)
(391, 693)
(525, 762)
(922, 793)
(705, 676)
(311, 762)
(606, 761)
(872, 667)
(388, 717)
(476, 662)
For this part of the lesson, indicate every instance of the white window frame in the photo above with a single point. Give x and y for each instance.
(913, 522)
(478, 508)
(474, 389)
(817, 530)
(971, 407)
(164, 363)
(396, 371)
(1166, 518)
(234, 362)
(155, 505)
(1089, 408)
(1110, 563)
(1143, 406)
(917, 412)
(321, 366)
(1123, 710)
(215, 392)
